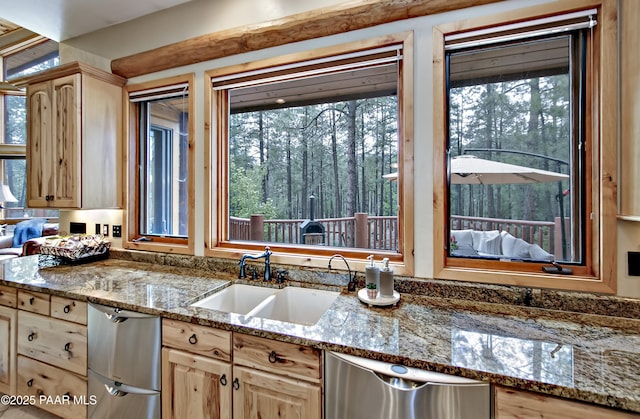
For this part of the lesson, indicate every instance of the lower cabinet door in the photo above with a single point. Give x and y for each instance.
(262, 395)
(7, 350)
(195, 386)
(60, 392)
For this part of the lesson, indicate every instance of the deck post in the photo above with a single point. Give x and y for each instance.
(362, 229)
(256, 228)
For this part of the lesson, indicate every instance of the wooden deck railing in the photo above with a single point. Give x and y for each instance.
(381, 233)
(362, 231)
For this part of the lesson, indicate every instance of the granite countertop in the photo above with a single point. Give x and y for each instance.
(585, 357)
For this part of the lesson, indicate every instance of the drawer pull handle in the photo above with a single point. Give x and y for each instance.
(30, 383)
(223, 379)
(236, 384)
(193, 339)
(31, 300)
(273, 358)
(216, 352)
(67, 394)
(67, 347)
(67, 309)
(31, 336)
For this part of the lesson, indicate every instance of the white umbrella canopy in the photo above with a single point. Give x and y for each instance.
(471, 170)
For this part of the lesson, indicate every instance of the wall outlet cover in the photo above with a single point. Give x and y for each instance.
(116, 230)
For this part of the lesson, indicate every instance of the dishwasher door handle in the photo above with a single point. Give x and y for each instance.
(118, 389)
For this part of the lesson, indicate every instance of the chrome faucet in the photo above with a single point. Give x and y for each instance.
(267, 263)
(351, 286)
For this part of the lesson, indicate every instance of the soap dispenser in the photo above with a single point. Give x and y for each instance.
(372, 273)
(386, 280)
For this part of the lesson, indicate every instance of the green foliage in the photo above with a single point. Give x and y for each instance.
(244, 194)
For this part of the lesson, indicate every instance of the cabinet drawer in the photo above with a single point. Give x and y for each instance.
(53, 341)
(8, 296)
(35, 302)
(197, 339)
(282, 358)
(66, 393)
(68, 309)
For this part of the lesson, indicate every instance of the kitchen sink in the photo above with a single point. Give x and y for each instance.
(296, 305)
(237, 298)
(291, 304)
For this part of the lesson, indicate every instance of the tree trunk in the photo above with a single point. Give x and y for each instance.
(336, 173)
(352, 179)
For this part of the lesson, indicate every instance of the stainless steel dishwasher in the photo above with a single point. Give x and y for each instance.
(358, 388)
(124, 350)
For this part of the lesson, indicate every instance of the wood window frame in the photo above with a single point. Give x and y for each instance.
(599, 274)
(131, 226)
(216, 166)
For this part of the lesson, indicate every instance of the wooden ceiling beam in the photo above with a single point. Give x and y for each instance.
(346, 17)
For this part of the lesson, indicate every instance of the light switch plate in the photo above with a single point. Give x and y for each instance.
(105, 230)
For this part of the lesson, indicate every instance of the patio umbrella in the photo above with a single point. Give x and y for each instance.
(471, 170)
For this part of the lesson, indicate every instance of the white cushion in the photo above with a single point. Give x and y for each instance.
(463, 237)
(481, 236)
(538, 253)
(508, 242)
(491, 244)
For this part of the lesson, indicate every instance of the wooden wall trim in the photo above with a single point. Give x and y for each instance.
(357, 14)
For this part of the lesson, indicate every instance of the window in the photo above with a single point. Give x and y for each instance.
(161, 165)
(521, 148)
(20, 61)
(311, 152)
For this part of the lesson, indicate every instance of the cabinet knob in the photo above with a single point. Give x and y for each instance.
(31, 336)
(67, 347)
(30, 383)
(32, 300)
(193, 339)
(236, 383)
(223, 379)
(67, 309)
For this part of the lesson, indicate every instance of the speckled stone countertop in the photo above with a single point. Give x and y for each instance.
(585, 357)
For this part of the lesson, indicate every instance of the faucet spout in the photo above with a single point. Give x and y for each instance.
(351, 286)
(267, 263)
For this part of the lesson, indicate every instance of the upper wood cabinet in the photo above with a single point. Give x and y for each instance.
(74, 138)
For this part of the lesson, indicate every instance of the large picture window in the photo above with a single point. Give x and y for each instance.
(522, 149)
(311, 154)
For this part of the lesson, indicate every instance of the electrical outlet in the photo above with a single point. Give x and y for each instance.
(98, 231)
(105, 230)
(116, 230)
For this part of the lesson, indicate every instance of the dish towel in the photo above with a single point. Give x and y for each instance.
(26, 230)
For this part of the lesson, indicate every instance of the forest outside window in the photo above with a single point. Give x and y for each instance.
(311, 152)
(162, 120)
(521, 147)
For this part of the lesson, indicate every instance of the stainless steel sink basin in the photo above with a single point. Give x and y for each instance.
(237, 298)
(291, 304)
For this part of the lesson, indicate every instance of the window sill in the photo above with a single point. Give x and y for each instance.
(527, 279)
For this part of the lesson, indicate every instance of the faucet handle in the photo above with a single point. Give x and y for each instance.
(254, 272)
(281, 275)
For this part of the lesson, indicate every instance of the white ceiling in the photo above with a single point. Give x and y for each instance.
(63, 19)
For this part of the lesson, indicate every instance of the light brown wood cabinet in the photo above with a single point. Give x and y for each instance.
(51, 353)
(275, 379)
(516, 404)
(74, 138)
(267, 378)
(8, 350)
(196, 371)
